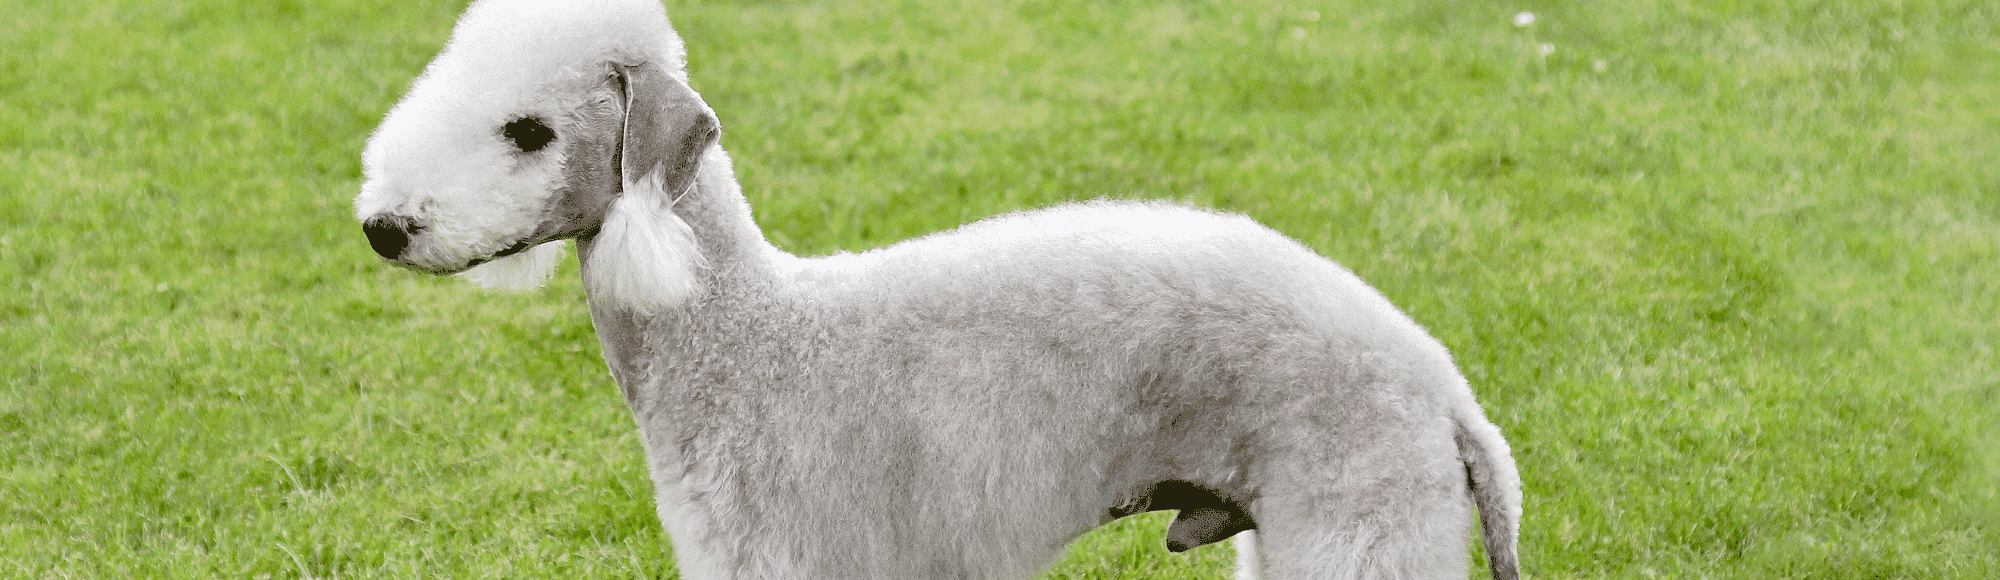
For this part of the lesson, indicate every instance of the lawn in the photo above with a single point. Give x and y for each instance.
(1724, 272)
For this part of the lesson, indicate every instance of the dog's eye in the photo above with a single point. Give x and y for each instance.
(529, 134)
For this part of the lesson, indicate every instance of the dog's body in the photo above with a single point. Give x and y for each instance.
(1060, 366)
(966, 404)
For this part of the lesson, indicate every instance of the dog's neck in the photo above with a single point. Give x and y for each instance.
(731, 243)
(739, 261)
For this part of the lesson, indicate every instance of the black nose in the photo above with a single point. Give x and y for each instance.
(389, 234)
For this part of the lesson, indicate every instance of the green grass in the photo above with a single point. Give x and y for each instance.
(1725, 272)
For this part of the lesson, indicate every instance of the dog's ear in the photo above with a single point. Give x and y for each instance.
(645, 257)
(667, 129)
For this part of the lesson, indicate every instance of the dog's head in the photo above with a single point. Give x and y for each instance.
(538, 122)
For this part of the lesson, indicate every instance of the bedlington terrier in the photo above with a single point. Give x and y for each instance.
(961, 405)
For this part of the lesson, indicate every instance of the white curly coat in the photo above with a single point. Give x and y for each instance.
(961, 405)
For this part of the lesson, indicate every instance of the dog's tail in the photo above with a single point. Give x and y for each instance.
(1496, 489)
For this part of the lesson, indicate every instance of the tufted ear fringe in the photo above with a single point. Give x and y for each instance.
(520, 272)
(644, 259)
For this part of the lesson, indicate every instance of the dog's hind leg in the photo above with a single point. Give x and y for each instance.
(1396, 510)
(1249, 565)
